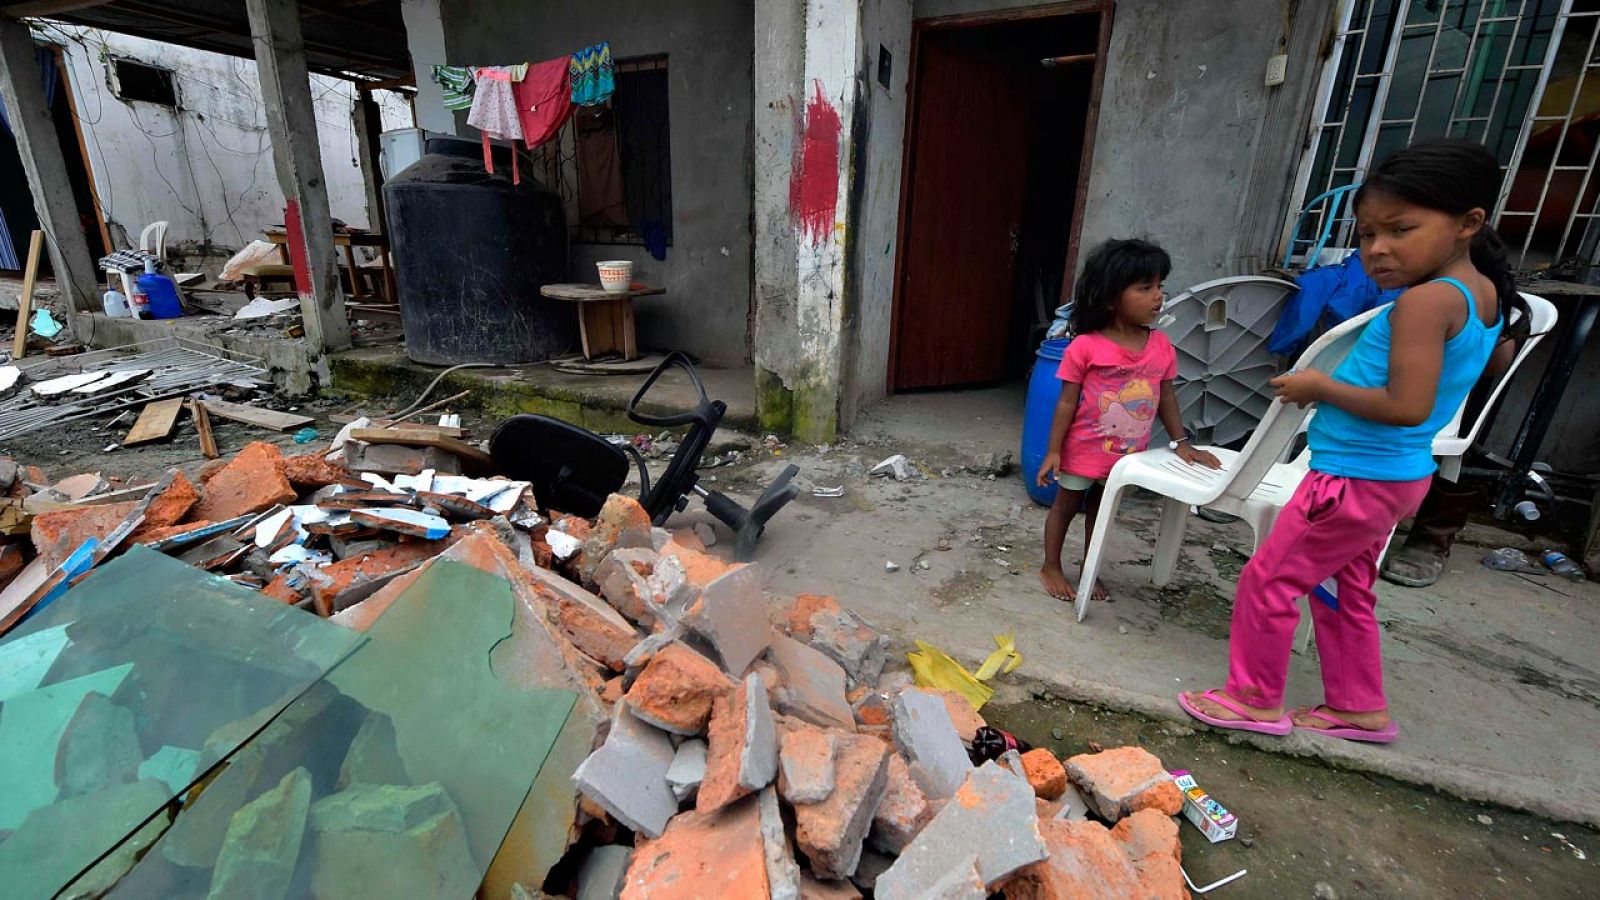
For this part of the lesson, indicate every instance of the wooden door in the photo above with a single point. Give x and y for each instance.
(968, 160)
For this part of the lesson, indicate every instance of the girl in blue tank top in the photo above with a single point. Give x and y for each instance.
(1421, 216)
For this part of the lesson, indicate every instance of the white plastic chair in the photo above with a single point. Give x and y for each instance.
(1251, 484)
(1452, 443)
(153, 239)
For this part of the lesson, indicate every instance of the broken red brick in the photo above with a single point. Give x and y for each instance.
(332, 584)
(812, 888)
(962, 715)
(279, 589)
(310, 471)
(676, 690)
(1123, 780)
(725, 746)
(830, 833)
(1150, 839)
(685, 538)
(805, 606)
(171, 505)
(805, 763)
(251, 482)
(702, 854)
(57, 534)
(1084, 862)
(699, 568)
(1045, 773)
(210, 470)
(613, 690)
(595, 635)
(903, 811)
(151, 535)
(12, 561)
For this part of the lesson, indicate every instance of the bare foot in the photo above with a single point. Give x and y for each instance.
(1055, 583)
(1371, 721)
(1100, 595)
(1218, 711)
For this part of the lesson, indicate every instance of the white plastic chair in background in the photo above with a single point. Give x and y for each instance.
(1251, 484)
(153, 239)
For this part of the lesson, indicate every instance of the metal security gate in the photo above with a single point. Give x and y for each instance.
(1512, 74)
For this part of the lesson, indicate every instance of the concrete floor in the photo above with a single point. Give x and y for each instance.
(1492, 677)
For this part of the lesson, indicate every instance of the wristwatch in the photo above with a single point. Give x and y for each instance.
(1173, 445)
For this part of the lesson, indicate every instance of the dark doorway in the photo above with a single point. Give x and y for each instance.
(16, 201)
(993, 157)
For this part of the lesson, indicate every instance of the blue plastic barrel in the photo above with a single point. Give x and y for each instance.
(1044, 391)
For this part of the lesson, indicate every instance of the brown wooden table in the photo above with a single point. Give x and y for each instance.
(350, 241)
(605, 320)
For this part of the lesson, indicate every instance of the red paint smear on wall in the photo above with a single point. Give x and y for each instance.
(814, 178)
(299, 258)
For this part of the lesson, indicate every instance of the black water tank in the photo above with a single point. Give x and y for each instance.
(470, 252)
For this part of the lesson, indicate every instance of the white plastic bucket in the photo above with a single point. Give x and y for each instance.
(615, 275)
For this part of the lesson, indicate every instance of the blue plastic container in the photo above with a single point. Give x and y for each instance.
(1044, 391)
(162, 292)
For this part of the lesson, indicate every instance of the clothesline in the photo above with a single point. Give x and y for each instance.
(527, 102)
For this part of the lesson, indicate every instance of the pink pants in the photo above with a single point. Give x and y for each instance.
(1333, 528)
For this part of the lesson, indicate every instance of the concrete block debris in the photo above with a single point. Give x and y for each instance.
(627, 776)
(830, 833)
(991, 817)
(926, 736)
(702, 854)
(676, 690)
(813, 685)
(688, 769)
(805, 764)
(742, 745)
(842, 635)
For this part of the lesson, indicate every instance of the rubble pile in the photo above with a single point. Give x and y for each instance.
(732, 745)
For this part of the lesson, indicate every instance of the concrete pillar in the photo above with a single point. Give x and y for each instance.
(35, 132)
(425, 40)
(292, 125)
(367, 122)
(807, 67)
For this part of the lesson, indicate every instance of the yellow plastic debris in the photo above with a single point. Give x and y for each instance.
(1006, 653)
(933, 668)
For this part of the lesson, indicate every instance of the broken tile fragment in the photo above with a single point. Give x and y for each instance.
(393, 459)
(627, 775)
(262, 846)
(1045, 773)
(926, 736)
(688, 769)
(805, 760)
(991, 817)
(413, 522)
(1123, 780)
(732, 615)
(783, 875)
(251, 482)
(813, 685)
(676, 690)
(830, 833)
(741, 746)
(902, 813)
(702, 855)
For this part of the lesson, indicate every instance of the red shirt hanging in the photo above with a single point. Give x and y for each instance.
(544, 100)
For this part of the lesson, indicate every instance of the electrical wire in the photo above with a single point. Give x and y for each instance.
(435, 383)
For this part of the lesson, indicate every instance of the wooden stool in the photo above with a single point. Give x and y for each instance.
(259, 278)
(605, 320)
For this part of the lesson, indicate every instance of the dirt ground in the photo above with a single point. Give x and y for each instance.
(1309, 828)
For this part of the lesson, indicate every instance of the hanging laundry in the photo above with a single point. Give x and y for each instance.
(494, 111)
(601, 201)
(544, 100)
(593, 80)
(456, 82)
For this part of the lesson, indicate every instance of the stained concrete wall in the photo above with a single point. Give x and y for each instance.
(205, 166)
(709, 46)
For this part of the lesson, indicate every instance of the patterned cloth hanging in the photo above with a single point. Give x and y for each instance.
(494, 111)
(456, 83)
(593, 80)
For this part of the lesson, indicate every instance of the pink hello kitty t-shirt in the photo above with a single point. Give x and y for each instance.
(1117, 406)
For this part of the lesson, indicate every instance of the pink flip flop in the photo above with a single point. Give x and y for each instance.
(1277, 727)
(1349, 732)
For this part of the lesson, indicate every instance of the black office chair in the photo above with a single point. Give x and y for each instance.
(574, 470)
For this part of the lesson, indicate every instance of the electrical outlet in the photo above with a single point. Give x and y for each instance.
(1277, 69)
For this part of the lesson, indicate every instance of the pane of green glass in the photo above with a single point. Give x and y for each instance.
(397, 775)
(117, 695)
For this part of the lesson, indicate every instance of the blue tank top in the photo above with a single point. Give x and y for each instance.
(1352, 447)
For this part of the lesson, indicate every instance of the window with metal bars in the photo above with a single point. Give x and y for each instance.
(613, 162)
(1517, 75)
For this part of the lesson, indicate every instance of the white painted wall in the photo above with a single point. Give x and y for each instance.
(206, 166)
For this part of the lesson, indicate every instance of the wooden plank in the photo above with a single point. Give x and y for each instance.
(19, 347)
(424, 437)
(255, 415)
(202, 424)
(155, 422)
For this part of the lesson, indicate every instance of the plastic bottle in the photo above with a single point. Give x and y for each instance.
(1510, 559)
(115, 305)
(1557, 562)
(162, 292)
(992, 743)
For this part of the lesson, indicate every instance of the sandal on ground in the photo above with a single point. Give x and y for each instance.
(1277, 727)
(1348, 731)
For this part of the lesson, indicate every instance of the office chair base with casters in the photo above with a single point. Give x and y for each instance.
(574, 470)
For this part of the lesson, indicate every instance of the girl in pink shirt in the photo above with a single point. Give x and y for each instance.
(1116, 378)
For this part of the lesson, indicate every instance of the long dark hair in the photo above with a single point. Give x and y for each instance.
(1453, 176)
(1109, 270)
